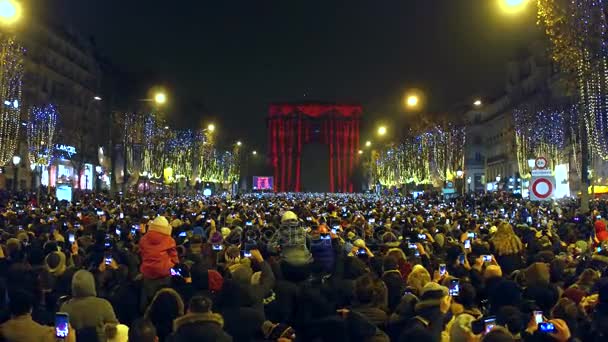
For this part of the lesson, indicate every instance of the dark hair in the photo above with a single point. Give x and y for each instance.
(466, 296)
(498, 335)
(21, 302)
(142, 330)
(200, 304)
(369, 290)
(390, 263)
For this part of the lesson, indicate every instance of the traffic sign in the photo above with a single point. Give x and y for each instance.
(541, 188)
(540, 163)
(541, 173)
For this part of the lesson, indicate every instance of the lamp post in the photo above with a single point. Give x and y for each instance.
(16, 161)
(10, 12)
(382, 131)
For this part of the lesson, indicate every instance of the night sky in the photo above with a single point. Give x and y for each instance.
(225, 61)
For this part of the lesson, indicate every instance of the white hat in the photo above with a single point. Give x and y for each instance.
(160, 225)
(289, 216)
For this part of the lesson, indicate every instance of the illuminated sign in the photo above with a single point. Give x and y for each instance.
(70, 150)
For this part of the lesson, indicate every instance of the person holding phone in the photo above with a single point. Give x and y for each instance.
(464, 307)
(158, 255)
(85, 309)
(21, 326)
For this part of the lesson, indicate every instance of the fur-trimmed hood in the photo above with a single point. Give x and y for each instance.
(201, 318)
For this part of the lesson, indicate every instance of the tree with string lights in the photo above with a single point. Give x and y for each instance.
(578, 31)
(11, 75)
(41, 126)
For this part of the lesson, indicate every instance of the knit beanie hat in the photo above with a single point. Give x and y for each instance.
(55, 263)
(216, 238)
(432, 291)
(160, 225)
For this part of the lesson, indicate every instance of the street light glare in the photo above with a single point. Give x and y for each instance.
(382, 130)
(10, 11)
(211, 127)
(513, 6)
(477, 103)
(97, 98)
(360, 151)
(254, 153)
(238, 143)
(160, 98)
(368, 143)
(412, 101)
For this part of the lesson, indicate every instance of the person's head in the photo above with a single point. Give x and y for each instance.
(498, 334)
(390, 263)
(418, 278)
(21, 303)
(200, 304)
(545, 296)
(588, 278)
(511, 318)
(369, 290)
(142, 330)
(492, 271)
(505, 241)
(467, 296)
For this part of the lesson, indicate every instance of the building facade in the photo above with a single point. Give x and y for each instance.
(491, 159)
(60, 68)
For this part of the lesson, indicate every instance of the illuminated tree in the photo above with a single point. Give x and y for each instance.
(41, 126)
(578, 31)
(11, 74)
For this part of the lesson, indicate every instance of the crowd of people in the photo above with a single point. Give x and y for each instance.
(302, 267)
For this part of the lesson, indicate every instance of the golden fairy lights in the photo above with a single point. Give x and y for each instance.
(11, 74)
(430, 157)
(578, 34)
(40, 134)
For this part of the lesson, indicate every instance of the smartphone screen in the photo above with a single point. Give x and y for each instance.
(71, 238)
(442, 269)
(216, 247)
(538, 317)
(62, 321)
(454, 288)
(489, 324)
(108, 259)
(467, 244)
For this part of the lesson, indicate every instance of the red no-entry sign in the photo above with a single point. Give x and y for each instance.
(541, 188)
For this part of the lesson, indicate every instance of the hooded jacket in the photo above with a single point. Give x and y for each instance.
(158, 255)
(206, 326)
(85, 309)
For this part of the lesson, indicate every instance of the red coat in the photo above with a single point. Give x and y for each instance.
(158, 255)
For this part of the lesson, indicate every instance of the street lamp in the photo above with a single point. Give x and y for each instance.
(211, 127)
(96, 98)
(382, 130)
(160, 98)
(238, 143)
(412, 101)
(360, 151)
(513, 6)
(255, 153)
(10, 11)
(477, 103)
(368, 143)
(16, 161)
